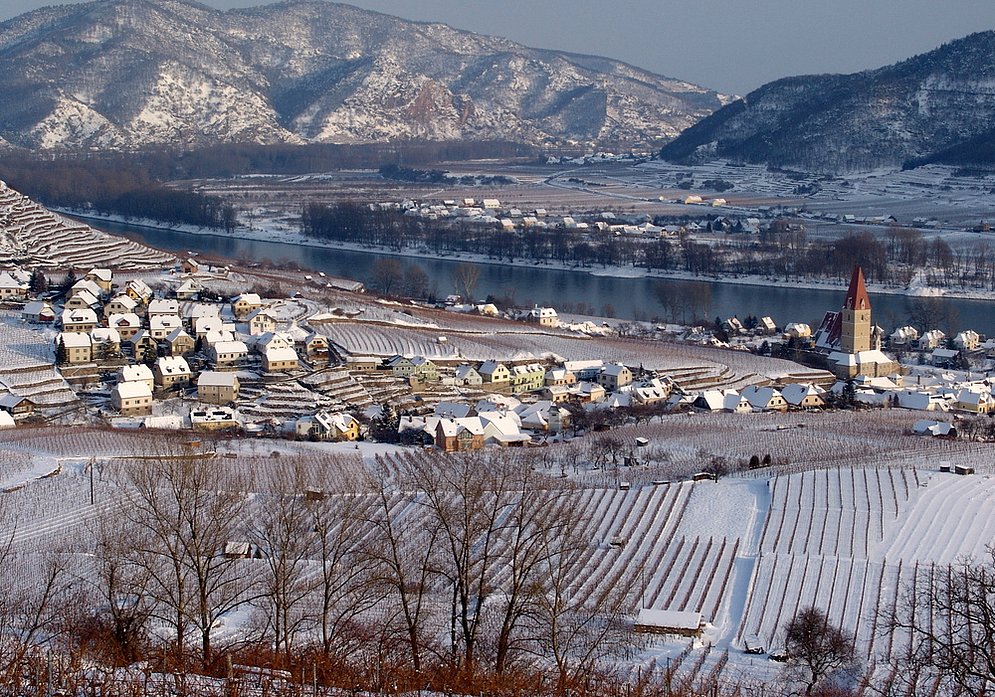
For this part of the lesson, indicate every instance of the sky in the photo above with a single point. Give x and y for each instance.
(732, 46)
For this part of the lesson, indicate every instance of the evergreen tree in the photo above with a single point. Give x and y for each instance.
(39, 282)
(384, 427)
(67, 283)
(150, 355)
(60, 353)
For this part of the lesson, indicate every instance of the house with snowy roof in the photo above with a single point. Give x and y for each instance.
(324, 425)
(78, 320)
(764, 398)
(614, 376)
(279, 359)
(459, 435)
(119, 305)
(242, 305)
(217, 388)
(104, 278)
(801, 396)
(171, 371)
(138, 372)
(138, 290)
(180, 343)
(82, 300)
(77, 346)
(133, 398)
(494, 374)
(11, 288)
(38, 312)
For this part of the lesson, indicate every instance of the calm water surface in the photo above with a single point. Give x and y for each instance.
(628, 297)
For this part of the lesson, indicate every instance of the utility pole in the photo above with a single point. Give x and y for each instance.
(91, 481)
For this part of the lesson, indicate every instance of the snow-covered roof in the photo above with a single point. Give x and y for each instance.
(211, 378)
(138, 371)
(173, 365)
(132, 390)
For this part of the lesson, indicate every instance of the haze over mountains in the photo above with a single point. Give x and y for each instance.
(133, 73)
(938, 106)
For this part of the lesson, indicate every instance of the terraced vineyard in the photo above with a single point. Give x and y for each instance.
(31, 234)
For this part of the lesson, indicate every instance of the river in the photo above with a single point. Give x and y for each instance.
(628, 298)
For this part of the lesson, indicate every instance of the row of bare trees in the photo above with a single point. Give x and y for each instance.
(471, 564)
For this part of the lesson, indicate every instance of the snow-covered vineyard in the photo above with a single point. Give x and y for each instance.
(841, 532)
(31, 234)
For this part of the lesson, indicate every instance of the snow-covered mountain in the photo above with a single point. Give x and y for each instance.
(132, 73)
(913, 110)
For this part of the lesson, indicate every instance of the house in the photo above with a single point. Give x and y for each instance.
(170, 371)
(141, 343)
(270, 340)
(38, 312)
(399, 366)
(556, 377)
(245, 303)
(180, 343)
(494, 374)
(804, 396)
(11, 288)
(316, 349)
(86, 285)
(127, 324)
(214, 419)
(105, 342)
(467, 376)
(78, 320)
(543, 316)
(587, 392)
(217, 388)
(967, 340)
(188, 290)
(710, 400)
(362, 364)
(423, 370)
(904, 336)
(931, 340)
(765, 398)
(503, 428)
(190, 265)
(543, 416)
(17, 406)
(132, 398)
(527, 378)
(104, 278)
(260, 322)
(120, 305)
(798, 330)
(614, 375)
(227, 353)
(138, 372)
(83, 300)
(280, 358)
(201, 326)
(328, 426)
(459, 435)
(682, 623)
(162, 306)
(735, 403)
(766, 325)
(944, 358)
(162, 326)
(584, 370)
(138, 290)
(556, 393)
(975, 400)
(77, 346)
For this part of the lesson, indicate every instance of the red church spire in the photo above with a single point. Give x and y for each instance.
(856, 296)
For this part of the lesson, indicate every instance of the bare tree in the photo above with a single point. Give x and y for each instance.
(281, 529)
(573, 627)
(816, 648)
(948, 615)
(465, 278)
(387, 275)
(401, 550)
(466, 498)
(186, 509)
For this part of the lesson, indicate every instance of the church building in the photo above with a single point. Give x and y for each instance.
(852, 340)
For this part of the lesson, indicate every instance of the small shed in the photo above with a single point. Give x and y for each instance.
(688, 624)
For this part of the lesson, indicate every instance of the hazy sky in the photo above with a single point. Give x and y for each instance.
(729, 45)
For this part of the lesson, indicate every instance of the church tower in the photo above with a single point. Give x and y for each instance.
(856, 325)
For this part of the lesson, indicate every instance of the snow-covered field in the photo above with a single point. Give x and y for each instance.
(838, 531)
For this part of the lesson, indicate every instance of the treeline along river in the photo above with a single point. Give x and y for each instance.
(581, 291)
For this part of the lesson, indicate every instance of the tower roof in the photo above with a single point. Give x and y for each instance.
(856, 295)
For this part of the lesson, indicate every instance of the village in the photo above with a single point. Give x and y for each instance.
(187, 355)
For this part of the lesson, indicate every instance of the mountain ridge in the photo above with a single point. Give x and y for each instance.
(887, 116)
(131, 73)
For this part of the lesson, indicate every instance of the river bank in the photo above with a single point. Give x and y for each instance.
(276, 233)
